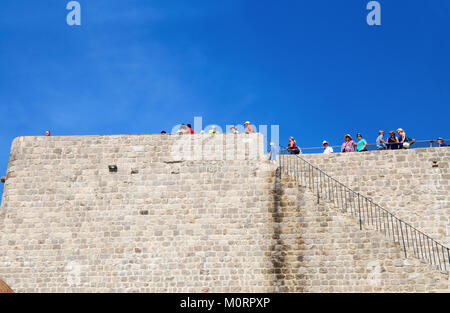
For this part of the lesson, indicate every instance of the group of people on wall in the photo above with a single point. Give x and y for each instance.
(393, 142)
(187, 129)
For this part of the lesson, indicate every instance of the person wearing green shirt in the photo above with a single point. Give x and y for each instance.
(362, 143)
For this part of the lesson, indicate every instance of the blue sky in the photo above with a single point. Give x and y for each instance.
(139, 66)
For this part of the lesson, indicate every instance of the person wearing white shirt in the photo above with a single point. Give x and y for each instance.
(327, 149)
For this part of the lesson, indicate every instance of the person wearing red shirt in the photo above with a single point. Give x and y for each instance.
(189, 129)
(292, 147)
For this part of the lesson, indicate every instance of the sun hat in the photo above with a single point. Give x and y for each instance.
(348, 135)
(246, 123)
(440, 138)
(324, 142)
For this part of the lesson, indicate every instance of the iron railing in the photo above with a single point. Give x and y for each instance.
(373, 146)
(411, 240)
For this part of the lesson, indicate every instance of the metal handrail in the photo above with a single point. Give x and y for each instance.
(408, 237)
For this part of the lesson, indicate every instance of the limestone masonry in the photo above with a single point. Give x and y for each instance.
(207, 213)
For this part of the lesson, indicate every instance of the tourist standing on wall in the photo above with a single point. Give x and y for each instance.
(190, 130)
(327, 149)
(349, 145)
(362, 143)
(392, 141)
(292, 147)
(213, 130)
(234, 130)
(401, 137)
(439, 142)
(182, 129)
(381, 143)
(404, 140)
(249, 128)
(274, 151)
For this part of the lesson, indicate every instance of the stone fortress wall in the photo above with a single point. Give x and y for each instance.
(197, 213)
(412, 184)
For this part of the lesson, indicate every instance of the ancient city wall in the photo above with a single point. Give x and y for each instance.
(158, 224)
(413, 184)
(196, 213)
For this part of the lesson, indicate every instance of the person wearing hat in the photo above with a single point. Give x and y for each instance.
(274, 151)
(214, 130)
(327, 149)
(248, 128)
(349, 145)
(440, 143)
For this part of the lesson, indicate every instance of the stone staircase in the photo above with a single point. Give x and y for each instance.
(325, 250)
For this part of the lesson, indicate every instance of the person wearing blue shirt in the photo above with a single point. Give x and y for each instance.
(439, 142)
(381, 143)
(362, 143)
(274, 151)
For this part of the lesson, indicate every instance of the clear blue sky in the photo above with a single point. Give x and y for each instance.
(139, 66)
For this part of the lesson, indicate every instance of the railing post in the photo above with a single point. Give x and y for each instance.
(279, 165)
(439, 259)
(429, 251)
(403, 240)
(448, 255)
(432, 249)
(329, 193)
(318, 188)
(359, 212)
(376, 218)
(420, 243)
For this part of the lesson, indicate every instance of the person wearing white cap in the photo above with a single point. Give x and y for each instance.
(327, 149)
(248, 128)
(274, 151)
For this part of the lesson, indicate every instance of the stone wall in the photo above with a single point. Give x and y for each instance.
(158, 224)
(413, 184)
(322, 249)
(196, 213)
